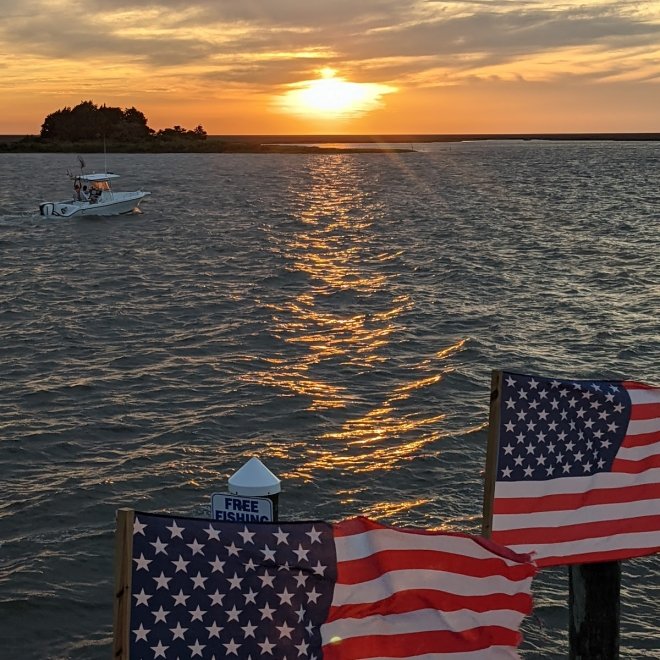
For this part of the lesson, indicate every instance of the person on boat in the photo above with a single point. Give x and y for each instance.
(84, 195)
(76, 191)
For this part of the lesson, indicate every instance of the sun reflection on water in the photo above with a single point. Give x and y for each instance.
(342, 326)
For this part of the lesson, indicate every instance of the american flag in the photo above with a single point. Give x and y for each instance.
(578, 469)
(312, 590)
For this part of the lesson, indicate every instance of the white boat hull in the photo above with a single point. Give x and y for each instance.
(114, 203)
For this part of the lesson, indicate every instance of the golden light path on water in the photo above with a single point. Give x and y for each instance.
(333, 247)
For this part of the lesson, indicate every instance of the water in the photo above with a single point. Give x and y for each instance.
(336, 315)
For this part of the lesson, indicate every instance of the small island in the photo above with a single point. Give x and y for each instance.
(89, 128)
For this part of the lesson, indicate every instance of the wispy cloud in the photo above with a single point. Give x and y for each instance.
(252, 33)
(272, 44)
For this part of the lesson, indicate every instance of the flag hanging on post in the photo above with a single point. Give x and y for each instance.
(312, 590)
(573, 473)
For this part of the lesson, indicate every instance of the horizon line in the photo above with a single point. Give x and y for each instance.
(414, 137)
(438, 137)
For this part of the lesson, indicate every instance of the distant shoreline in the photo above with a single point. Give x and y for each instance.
(213, 144)
(298, 144)
(432, 137)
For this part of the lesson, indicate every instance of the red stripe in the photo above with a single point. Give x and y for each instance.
(360, 525)
(645, 411)
(570, 501)
(500, 550)
(375, 565)
(634, 385)
(588, 557)
(577, 532)
(404, 646)
(410, 601)
(641, 439)
(636, 467)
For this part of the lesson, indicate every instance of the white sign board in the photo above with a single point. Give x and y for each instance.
(237, 508)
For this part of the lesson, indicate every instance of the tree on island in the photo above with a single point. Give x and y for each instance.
(179, 132)
(87, 121)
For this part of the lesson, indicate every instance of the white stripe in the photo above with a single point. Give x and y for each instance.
(643, 396)
(392, 582)
(358, 546)
(640, 426)
(636, 541)
(573, 485)
(420, 621)
(491, 653)
(639, 453)
(585, 514)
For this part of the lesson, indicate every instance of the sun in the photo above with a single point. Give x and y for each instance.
(333, 97)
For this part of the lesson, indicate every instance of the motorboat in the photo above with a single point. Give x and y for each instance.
(93, 196)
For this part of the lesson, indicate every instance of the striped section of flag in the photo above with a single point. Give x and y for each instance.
(416, 594)
(578, 469)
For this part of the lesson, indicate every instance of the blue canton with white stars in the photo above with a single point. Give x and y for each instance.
(556, 428)
(211, 590)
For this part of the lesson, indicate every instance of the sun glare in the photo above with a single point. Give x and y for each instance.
(333, 97)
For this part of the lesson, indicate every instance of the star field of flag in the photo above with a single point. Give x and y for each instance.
(206, 590)
(551, 428)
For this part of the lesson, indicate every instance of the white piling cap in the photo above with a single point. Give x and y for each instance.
(254, 478)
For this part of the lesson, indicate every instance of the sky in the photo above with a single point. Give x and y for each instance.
(255, 67)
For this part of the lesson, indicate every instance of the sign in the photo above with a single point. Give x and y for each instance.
(227, 507)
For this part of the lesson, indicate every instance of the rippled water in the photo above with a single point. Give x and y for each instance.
(336, 315)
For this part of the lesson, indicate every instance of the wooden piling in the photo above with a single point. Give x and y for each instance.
(491, 452)
(123, 575)
(594, 609)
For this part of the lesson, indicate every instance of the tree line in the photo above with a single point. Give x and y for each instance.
(87, 121)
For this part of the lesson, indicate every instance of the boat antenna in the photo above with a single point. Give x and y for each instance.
(105, 156)
(82, 164)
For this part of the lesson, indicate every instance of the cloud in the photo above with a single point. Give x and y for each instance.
(277, 42)
(277, 13)
(505, 34)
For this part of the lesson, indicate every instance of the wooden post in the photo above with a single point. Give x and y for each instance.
(491, 452)
(123, 573)
(593, 606)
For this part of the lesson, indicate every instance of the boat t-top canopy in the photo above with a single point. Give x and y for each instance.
(100, 176)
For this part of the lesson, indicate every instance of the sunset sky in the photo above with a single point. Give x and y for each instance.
(337, 66)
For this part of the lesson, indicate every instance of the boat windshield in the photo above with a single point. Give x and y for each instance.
(100, 185)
